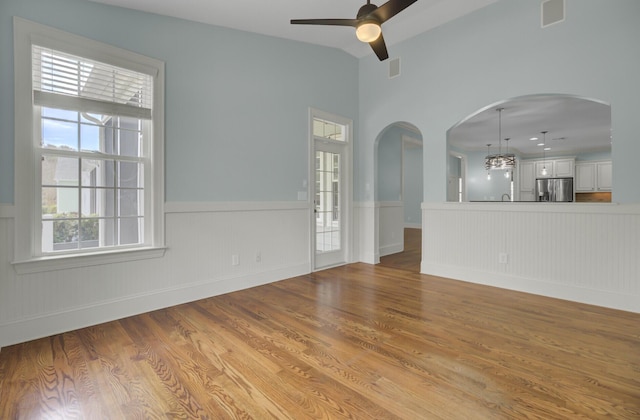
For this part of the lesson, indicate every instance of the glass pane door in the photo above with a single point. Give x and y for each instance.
(328, 209)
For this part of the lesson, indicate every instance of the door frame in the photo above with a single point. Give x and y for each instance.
(346, 184)
(462, 174)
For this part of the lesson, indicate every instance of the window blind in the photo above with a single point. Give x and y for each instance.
(62, 80)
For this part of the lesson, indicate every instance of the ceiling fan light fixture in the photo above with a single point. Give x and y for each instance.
(368, 31)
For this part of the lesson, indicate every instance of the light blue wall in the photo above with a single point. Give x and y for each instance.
(236, 103)
(390, 165)
(396, 165)
(413, 182)
(500, 52)
(594, 156)
(479, 188)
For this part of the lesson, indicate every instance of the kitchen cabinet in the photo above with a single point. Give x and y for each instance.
(544, 164)
(556, 168)
(527, 181)
(585, 176)
(527, 176)
(563, 168)
(593, 176)
(604, 176)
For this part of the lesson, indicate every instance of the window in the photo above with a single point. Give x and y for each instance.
(328, 130)
(89, 146)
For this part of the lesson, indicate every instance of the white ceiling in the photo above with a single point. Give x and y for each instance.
(271, 17)
(574, 125)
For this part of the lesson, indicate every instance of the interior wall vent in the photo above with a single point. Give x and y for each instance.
(552, 12)
(394, 68)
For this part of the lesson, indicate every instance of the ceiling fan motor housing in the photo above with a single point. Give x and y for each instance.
(365, 10)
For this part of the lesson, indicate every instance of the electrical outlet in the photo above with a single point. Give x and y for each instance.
(235, 259)
(503, 258)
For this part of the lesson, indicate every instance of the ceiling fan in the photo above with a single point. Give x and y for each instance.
(367, 23)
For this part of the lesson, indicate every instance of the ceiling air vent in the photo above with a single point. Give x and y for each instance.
(552, 12)
(394, 68)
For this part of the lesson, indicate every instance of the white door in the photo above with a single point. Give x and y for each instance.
(331, 207)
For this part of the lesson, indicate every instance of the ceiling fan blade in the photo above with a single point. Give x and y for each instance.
(380, 48)
(334, 22)
(391, 8)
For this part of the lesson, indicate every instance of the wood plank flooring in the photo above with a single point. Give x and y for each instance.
(355, 342)
(410, 257)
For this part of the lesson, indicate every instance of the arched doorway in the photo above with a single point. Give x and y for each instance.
(399, 189)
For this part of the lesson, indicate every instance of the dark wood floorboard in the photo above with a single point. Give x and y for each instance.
(354, 342)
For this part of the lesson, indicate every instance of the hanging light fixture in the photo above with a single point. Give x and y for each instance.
(500, 160)
(507, 172)
(544, 148)
(488, 172)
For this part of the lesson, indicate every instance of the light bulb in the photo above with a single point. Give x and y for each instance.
(488, 176)
(544, 170)
(506, 174)
(368, 31)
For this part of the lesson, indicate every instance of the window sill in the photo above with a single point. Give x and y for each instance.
(64, 262)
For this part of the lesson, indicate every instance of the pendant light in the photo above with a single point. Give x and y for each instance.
(500, 160)
(488, 172)
(507, 172)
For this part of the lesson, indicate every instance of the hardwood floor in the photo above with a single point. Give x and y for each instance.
(357, 341)
(410, 257)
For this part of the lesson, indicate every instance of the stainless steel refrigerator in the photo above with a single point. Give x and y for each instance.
(554, 189)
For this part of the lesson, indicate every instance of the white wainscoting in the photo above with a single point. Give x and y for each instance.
(586, 253)
(6, 211)
(366, 222)
(391, 227)
(201, 239)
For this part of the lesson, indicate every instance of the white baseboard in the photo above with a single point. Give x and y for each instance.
(54, 323)
(630, 303)
(413, 225)
(391, 249)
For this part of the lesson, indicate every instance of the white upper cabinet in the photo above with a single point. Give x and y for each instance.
(593, 176)
(604, 176)
(585, 176)
(563, 167)
(556, 168)
(544, 169)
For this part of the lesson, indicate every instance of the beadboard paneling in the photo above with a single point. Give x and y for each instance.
(198, 263)
(366, 238)
(580, 252)
(391, 229)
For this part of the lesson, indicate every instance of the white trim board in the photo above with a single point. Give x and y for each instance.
(604, 298)
(222, 206)
(84, 316)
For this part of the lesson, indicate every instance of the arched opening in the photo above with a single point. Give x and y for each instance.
(399, 188)
(551, 135)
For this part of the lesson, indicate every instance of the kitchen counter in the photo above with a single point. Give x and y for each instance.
(516, 201)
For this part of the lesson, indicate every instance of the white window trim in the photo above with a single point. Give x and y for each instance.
(26, 257)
